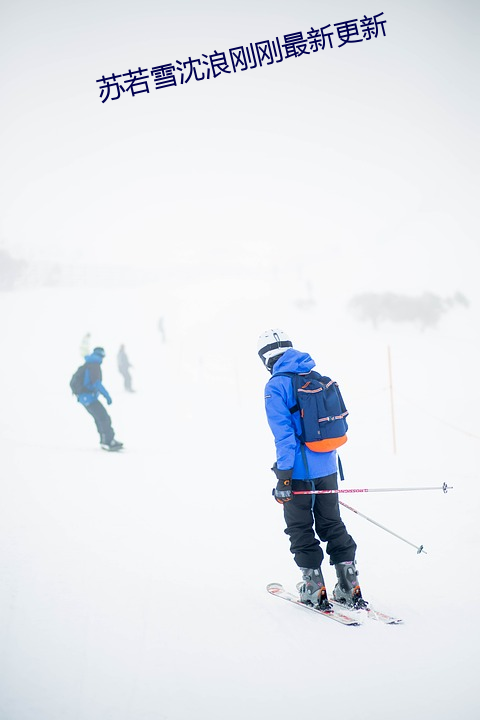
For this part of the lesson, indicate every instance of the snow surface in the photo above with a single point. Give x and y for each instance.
(133, 584)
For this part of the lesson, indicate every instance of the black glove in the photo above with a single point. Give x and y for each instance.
(283, 492)
(282, 474)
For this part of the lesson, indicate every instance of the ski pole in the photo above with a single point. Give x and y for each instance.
(443, 487)
(419, 548)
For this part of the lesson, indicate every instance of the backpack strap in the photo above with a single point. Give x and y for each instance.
(304, 458)
(293, 377)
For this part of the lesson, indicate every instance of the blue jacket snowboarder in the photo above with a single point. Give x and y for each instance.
(88, 397)
(309, 518)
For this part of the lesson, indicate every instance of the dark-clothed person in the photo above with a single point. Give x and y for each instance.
(124, 366)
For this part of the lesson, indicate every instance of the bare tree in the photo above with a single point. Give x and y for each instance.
(426, 309)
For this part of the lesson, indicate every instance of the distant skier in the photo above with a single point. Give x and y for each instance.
(161, 329)
(87, 385)
(124, 368)
(300, 468)
(85, 345)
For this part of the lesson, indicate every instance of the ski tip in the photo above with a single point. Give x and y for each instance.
(383, 617)
(274, 587)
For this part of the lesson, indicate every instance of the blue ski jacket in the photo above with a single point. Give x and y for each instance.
(93, 381)
(285, 426)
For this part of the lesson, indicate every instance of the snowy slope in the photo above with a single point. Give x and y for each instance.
(116, 569)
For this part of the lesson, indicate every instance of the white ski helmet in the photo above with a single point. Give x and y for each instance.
(271, 344)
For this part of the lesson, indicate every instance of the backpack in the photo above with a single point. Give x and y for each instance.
(78, 378)
(322, 411)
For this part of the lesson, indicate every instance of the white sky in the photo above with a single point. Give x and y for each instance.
(364, 154)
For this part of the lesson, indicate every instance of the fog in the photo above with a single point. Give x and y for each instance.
(333, 194)
(363, 155)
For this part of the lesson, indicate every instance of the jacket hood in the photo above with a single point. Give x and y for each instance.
(93, 358)
(293, 361)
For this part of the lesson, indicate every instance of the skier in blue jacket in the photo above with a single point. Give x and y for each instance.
(309, 518)
(93, 387)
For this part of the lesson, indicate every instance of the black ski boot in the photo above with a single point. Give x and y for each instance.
(347, 590)
(312, 589)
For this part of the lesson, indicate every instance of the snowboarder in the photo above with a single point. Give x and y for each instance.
(308, 518)
(88, 397)
(123, 364)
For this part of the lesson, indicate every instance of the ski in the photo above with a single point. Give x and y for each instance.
(371, 613)
(336, 613)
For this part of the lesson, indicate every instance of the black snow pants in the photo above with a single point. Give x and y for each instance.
(309, 517)
(102, 421)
